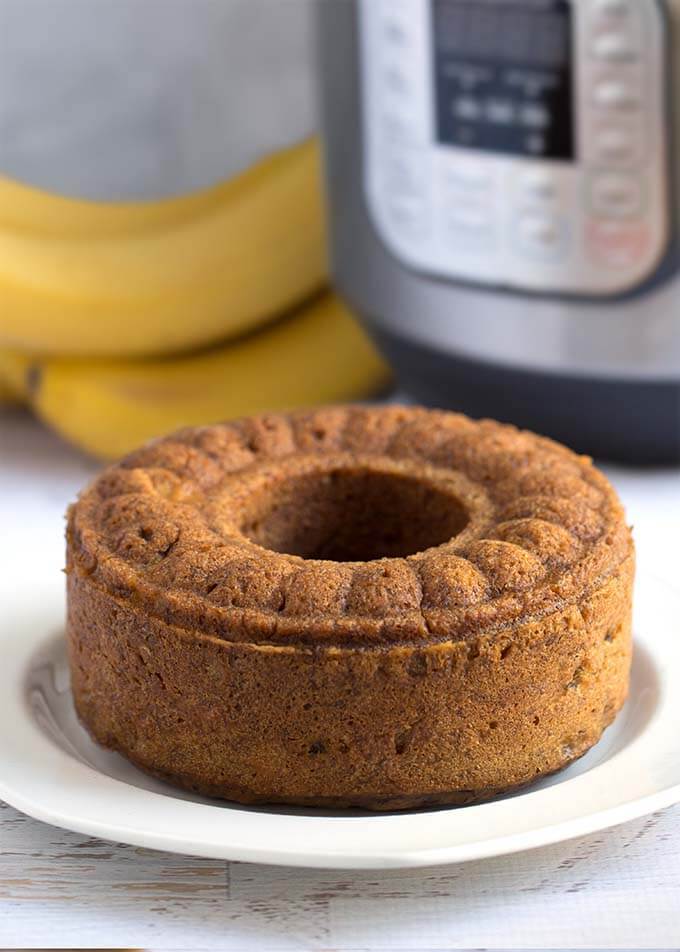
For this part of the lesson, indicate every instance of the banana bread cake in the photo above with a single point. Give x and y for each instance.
(379, 607)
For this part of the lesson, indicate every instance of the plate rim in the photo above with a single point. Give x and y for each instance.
(88, 779)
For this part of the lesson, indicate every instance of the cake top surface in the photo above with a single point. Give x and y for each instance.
(349, 525)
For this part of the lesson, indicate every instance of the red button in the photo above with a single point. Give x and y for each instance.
(618, 244)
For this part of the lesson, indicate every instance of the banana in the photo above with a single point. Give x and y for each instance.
(12, 387)
(13, 390)
(8, 395)
(155, 278)
(30, 210)
(319, 354)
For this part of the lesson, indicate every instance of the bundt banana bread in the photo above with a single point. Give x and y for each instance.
(380, 607)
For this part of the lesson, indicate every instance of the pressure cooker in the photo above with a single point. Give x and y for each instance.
(504, 184)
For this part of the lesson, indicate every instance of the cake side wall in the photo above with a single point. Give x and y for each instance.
(380, 727)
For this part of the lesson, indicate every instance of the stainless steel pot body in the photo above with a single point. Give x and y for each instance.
(599, 370)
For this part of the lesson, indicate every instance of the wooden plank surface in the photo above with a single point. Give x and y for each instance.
(620, 888)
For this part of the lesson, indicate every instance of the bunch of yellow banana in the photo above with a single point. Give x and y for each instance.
(119, 322)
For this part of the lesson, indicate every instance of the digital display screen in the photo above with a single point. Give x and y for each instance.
(503, 76)
(503, 33)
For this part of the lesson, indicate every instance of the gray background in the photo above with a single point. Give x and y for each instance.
(142, 98)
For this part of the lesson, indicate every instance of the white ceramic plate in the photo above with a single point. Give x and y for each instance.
(51, 770)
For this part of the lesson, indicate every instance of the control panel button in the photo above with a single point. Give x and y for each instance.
(469, 227)
(535, 143)
(613, 8)
(408, 214)
(615, 47)
(538, 185)
(615, 145)
(395, 31)
(395, 13)
(404, 174)
(469, 216)
(500, 112)
(617, 244)
(397, 84)
(616, 94)
(467, 107)
(616, 195)
(398, 125)
(465, 176)
(534, 115)
(543, 235)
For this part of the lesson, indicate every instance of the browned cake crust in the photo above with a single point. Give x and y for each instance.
(383, 607)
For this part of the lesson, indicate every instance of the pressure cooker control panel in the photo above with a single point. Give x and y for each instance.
(520, 143)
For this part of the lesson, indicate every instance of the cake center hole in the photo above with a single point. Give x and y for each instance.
(353, 516)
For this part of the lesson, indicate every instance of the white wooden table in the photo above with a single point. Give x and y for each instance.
(617, 889)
